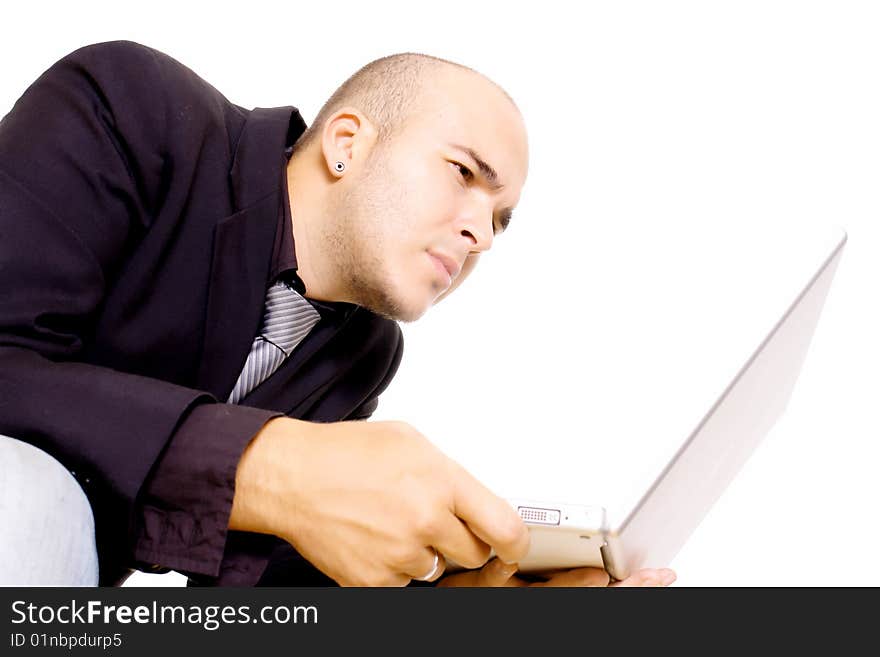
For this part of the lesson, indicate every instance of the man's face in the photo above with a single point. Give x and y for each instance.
(412, 222)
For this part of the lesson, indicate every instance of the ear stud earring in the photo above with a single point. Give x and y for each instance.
(340, 167)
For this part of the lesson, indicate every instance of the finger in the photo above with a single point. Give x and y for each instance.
(648, 577)
(578, 577)
(496, 573)
(454, 539)
(491, 518)
(429, 567)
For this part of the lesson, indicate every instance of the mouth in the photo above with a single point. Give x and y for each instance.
(445, 265)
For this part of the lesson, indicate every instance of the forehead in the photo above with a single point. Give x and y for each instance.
(461, 107)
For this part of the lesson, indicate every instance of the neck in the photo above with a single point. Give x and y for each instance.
(314, 265)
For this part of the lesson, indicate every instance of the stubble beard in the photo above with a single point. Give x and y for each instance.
(356, 249)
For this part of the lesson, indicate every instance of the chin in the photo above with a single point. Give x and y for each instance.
(398, 296)
(396, 307)
(410, 312)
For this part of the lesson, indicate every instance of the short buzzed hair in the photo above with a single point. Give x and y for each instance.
(385, 90)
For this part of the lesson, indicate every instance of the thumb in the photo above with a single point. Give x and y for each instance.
(496, 573)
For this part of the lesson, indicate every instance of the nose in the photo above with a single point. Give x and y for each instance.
(477, 227)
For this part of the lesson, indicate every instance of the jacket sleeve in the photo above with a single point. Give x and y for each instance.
(182, 514)
(81, 166)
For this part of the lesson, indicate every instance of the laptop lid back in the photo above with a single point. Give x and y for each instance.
(654, 530)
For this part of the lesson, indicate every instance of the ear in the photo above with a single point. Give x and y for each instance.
(347, 137)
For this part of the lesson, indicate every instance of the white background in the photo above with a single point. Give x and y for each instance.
(640, 116)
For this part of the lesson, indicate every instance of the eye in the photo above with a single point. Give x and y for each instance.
(466, 173)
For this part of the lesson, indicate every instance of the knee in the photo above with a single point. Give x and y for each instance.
(49, 529)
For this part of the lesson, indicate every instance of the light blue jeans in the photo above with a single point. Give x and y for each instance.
(47, 531)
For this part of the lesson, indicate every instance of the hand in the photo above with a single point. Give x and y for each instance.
(499, 573)
(368, 503)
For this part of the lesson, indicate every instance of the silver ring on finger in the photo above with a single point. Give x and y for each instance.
(434, 568)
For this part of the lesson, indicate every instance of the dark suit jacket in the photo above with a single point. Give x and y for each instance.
(138, 211)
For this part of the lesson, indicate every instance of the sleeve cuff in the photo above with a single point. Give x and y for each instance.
(182, 517)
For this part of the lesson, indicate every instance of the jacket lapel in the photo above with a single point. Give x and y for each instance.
(242, 249)
(239, 267)
(299, 377)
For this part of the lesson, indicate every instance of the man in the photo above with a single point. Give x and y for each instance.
(203, 301)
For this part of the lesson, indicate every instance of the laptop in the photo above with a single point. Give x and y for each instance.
(651, 531)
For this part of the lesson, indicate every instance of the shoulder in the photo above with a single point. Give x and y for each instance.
(144, 93)
(379, 332)
(115, 64)
(120, 52)
(367, 337)
(135, 67)
(378, 356)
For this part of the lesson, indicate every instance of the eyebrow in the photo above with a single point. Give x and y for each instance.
(485, 168)
(491, 176)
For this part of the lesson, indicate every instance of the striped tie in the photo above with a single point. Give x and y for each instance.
(287, 319)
